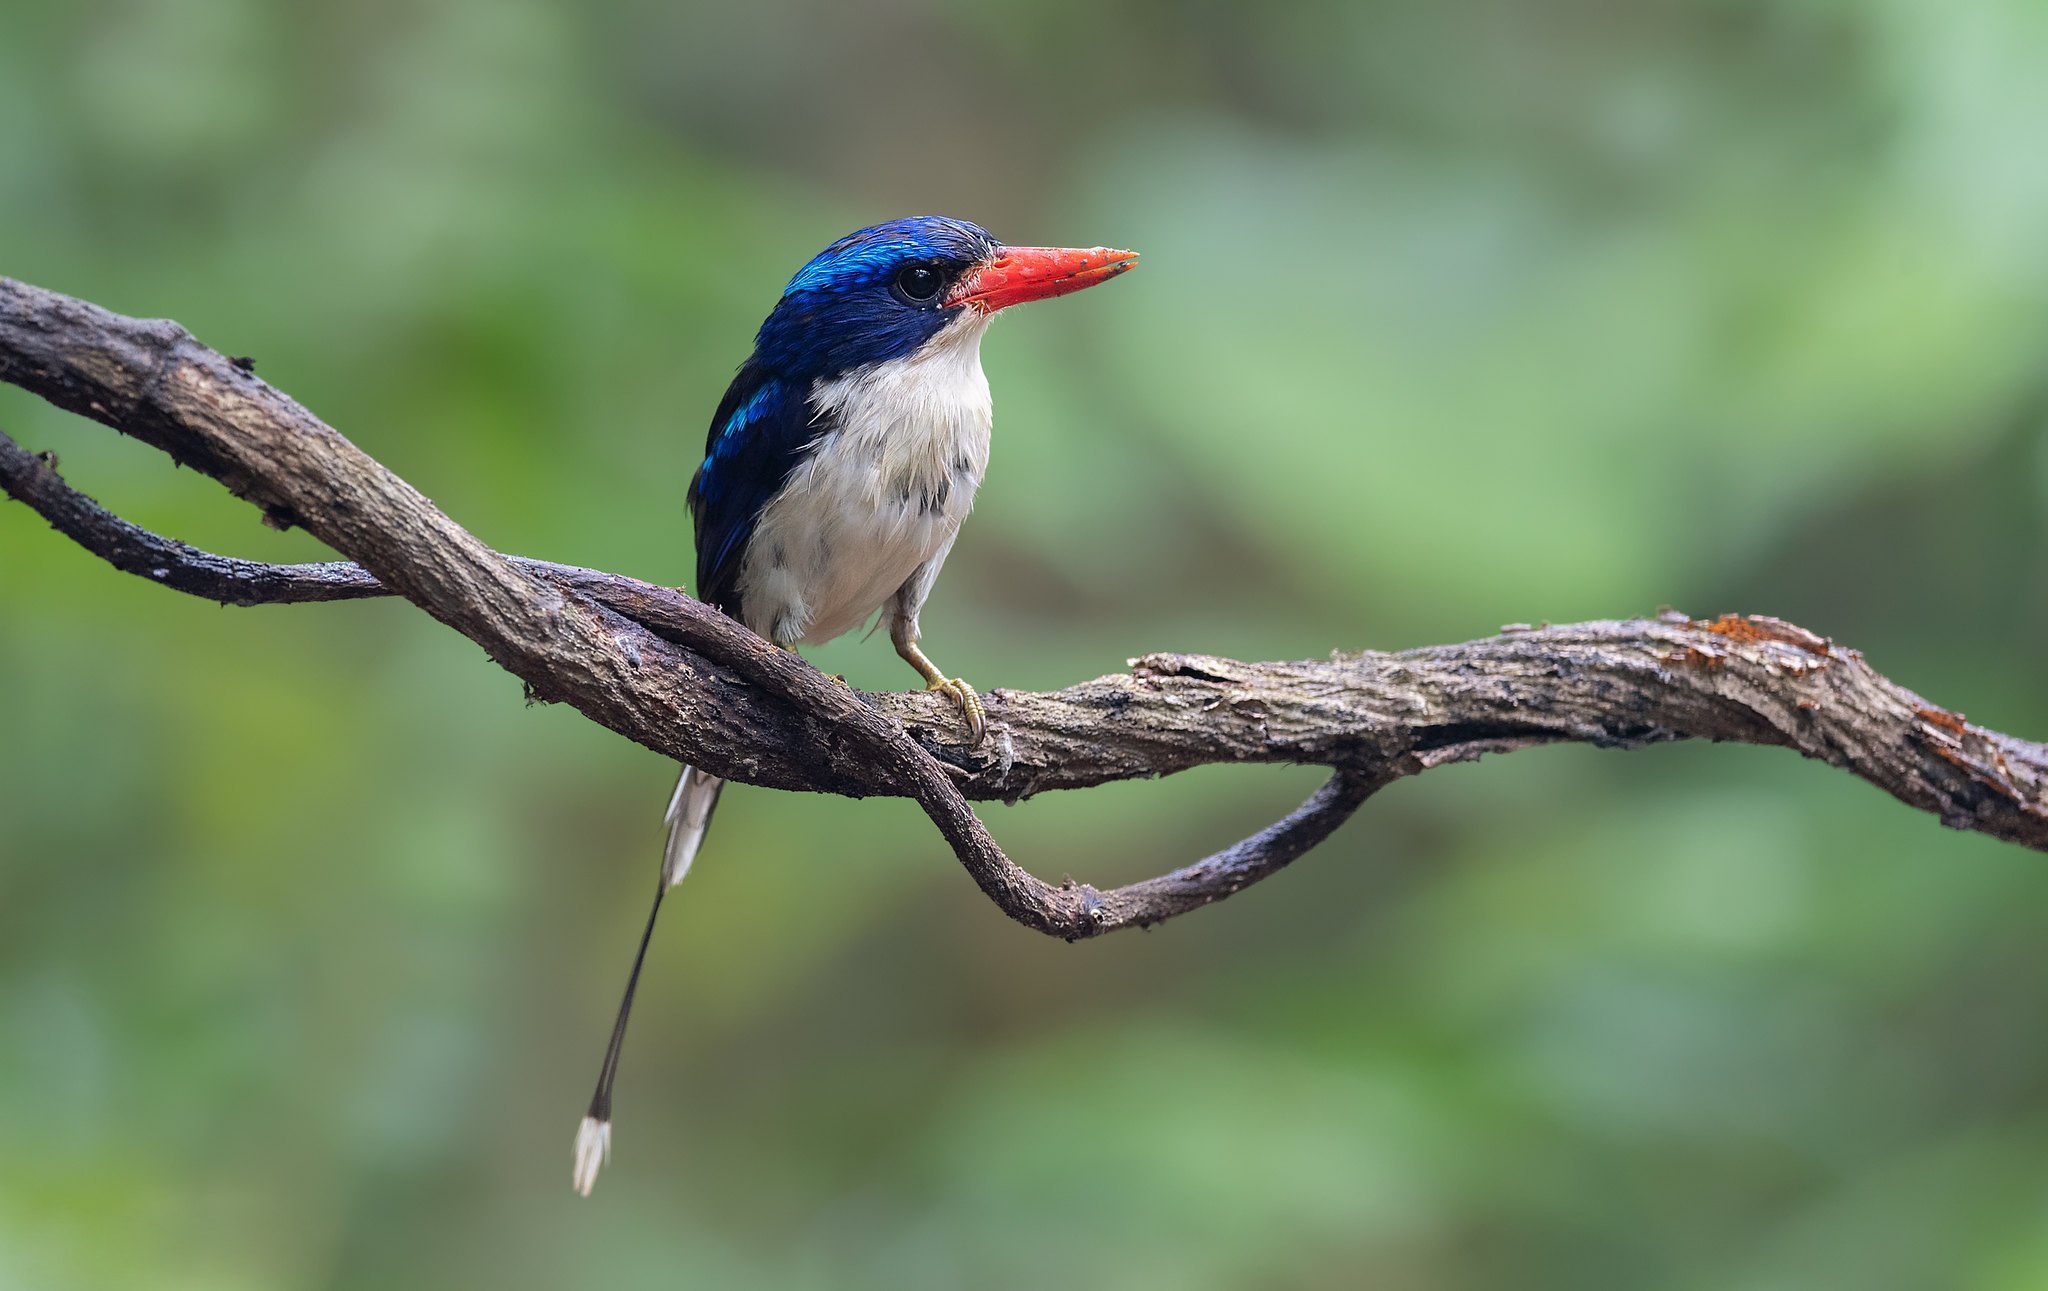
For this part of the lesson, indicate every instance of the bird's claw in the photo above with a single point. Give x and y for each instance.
(969, 701)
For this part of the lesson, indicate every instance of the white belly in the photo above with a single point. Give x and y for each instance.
(882, 493)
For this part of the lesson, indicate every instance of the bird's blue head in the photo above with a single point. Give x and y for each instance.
(875, 296)
(882, 292)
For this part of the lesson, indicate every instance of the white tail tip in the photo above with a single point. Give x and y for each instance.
(593, 1149)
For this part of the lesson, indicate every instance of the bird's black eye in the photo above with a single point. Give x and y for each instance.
(918, 283)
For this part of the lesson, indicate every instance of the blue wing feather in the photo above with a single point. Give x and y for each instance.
(761, 431)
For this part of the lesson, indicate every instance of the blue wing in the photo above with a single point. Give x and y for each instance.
(761, 431)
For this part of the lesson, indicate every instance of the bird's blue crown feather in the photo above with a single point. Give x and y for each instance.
(839, 312)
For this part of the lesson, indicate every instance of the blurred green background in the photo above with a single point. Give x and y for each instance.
(1452, 315)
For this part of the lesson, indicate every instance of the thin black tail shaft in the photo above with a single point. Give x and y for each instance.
(601, 1100)
(689, 818)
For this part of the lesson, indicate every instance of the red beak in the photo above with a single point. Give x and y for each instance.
(1018, 274)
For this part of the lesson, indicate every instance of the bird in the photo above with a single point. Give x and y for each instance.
(836, 474)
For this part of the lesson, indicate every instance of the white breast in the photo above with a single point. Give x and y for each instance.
(884, 491)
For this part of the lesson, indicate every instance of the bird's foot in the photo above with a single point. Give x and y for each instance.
(970, 704)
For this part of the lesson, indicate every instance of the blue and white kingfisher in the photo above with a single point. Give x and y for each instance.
(838, 468)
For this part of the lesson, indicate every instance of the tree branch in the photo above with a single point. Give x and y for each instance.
(682, 679)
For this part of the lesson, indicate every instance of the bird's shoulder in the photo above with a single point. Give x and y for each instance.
(763, 428)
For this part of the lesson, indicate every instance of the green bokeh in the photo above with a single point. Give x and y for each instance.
(1452, 315)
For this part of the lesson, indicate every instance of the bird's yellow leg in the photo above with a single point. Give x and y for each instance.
(962, 694)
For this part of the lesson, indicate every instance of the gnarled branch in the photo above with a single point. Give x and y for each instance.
(678, 677)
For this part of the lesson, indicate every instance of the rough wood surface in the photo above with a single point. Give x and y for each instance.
(674, 675)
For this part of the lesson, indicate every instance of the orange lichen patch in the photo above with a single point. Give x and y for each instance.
(1953, 723)
(1692, 654)
(1694, 657)
(1752, 629)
